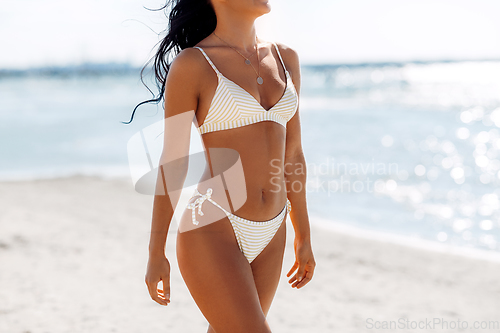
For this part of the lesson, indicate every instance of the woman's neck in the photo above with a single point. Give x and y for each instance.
(237, 32)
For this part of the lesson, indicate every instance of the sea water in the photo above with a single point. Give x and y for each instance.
(404, 148)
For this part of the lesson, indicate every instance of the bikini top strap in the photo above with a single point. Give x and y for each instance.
(208, 59)
(279, 55)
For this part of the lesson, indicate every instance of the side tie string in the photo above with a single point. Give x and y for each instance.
(198, 203)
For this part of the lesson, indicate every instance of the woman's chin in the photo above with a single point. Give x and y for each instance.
(264, 7)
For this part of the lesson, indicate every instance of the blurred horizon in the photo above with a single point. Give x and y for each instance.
(117, 68)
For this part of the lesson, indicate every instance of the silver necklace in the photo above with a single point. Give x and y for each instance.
(247, 61)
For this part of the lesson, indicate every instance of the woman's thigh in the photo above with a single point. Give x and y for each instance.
(266, 268)
(220, 279)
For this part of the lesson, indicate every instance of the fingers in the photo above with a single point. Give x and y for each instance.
(166, 289)
(305, 280)
(303, 276)
(157, 294)
(163, 291)
(301, 272)
(294, 267)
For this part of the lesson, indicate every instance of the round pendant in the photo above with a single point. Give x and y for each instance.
(260, 80)
(248, 62)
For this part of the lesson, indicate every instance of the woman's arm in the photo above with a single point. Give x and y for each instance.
(181, 100)
(295, 177)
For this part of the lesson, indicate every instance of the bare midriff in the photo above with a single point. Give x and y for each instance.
(261, 147)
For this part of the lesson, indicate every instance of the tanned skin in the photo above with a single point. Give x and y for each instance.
(232, 294)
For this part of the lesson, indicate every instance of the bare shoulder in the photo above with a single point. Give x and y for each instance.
(187, 66)
(291, 60)
(290, 56)
(183, 85)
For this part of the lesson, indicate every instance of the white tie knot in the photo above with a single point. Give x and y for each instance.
(198, 203)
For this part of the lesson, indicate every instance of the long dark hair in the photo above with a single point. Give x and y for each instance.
(190, 21)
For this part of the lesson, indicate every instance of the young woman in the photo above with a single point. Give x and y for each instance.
(244, 95)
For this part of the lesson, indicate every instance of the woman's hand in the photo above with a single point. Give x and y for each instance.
(304, 262)
(158, 270)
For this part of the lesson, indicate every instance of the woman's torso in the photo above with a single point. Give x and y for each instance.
(260, 145)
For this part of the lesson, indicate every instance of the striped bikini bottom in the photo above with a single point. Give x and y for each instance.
(252, 236)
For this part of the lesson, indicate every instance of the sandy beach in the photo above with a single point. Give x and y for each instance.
(73, 254)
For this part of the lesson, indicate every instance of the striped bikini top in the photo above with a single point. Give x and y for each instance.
(232, 106)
